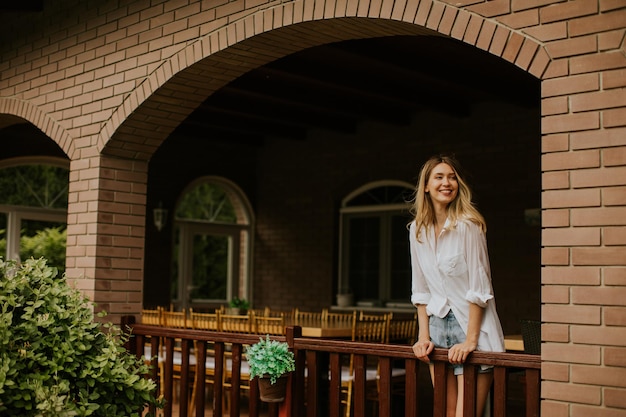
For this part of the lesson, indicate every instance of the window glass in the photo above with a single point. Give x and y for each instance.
(208, 202)
(211, 245)
(375, 252)
(33, 207)
(34, 186)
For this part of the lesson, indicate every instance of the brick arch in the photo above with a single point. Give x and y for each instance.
(182, 82)
(33, 114)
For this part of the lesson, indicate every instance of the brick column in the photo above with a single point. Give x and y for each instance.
(106, 231)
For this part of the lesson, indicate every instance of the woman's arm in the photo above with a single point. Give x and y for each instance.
(423, 346)
(459, 353)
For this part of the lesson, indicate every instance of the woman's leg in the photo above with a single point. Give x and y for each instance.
(451, 390)
(483, 385)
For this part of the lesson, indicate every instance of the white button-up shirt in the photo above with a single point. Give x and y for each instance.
(452, 271)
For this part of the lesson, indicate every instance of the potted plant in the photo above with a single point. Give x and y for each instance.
(271, 361)
(238, 306)
(56, 360)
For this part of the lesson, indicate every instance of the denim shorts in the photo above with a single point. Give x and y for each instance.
(447, 332)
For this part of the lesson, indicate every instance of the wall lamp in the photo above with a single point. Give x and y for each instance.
(160, 216)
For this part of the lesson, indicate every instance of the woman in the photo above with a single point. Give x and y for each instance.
(451, 282)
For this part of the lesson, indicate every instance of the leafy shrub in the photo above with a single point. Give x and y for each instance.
(54, 359)
(270, 358)
(49, 243)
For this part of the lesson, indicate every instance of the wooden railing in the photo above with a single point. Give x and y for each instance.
(319, 393)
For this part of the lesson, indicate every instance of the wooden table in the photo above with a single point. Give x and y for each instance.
(514, 342)
(326, 331)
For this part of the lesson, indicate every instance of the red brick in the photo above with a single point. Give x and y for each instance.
(570, 275)
(610, 40)
(614, 156)
(614, 117)
(615, 316)
(610, 335)
(598, 138)
(594, 375)
(569, 85)
(555, 105)
(601, 177)
(582, 236)
(614, 236)
(570, 160)
(615, 276)
(555, 294)
(613, 79)
(521, 19)
(570, 198)
(597, 62)
(598, 100)
(615, 356)
(554, 256)
(555, 218)
(555, 372)
(599, 256)
(571, 314)
(570, 123)
(491, 8)
(555, 143)
(598, 23)
(554, 409)
(573, 393)
(567, 11)
(614, 397)
(548, 32)
(572, 47)
(599, 296)
(555, 180)
(615, 196)
(552, 332)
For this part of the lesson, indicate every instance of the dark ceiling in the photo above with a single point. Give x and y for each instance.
(337, 86)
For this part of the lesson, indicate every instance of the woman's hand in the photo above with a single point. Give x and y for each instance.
(422, 349)
(458, 353)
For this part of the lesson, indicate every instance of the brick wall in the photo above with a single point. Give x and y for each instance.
(100, 80)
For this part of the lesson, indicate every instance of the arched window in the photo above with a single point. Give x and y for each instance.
(374, 261)
(212, 250)
(33, 209)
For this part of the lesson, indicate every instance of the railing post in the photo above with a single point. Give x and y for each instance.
(295, 390)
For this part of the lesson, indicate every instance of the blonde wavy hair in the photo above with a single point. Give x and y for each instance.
(460, 208)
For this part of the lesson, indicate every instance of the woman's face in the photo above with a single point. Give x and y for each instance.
(442, 185)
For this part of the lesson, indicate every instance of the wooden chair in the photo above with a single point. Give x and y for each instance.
(175, 319)
(153, 317)
(301, 317)
(372, 329)
(204, 321)
(269, 325)
(233, 323)
(236, 324)
(403, 330)
(338, 318)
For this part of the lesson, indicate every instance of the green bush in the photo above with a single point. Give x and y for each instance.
(55, 360)
(49, 243)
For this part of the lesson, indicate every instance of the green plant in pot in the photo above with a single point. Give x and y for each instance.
(238, 306)
(271, 361)
(55, 360)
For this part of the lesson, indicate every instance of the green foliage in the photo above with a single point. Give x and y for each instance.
(270, 358)
(49, 243)
(55, 361)
(240, 303)
(35, 186)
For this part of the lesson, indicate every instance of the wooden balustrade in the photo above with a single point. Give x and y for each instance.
(322, 358)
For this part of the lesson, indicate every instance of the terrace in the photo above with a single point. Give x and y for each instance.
(315, 388)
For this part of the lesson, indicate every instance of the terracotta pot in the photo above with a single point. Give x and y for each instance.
(273, 393)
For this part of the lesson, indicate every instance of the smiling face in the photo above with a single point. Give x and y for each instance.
(442, 185)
